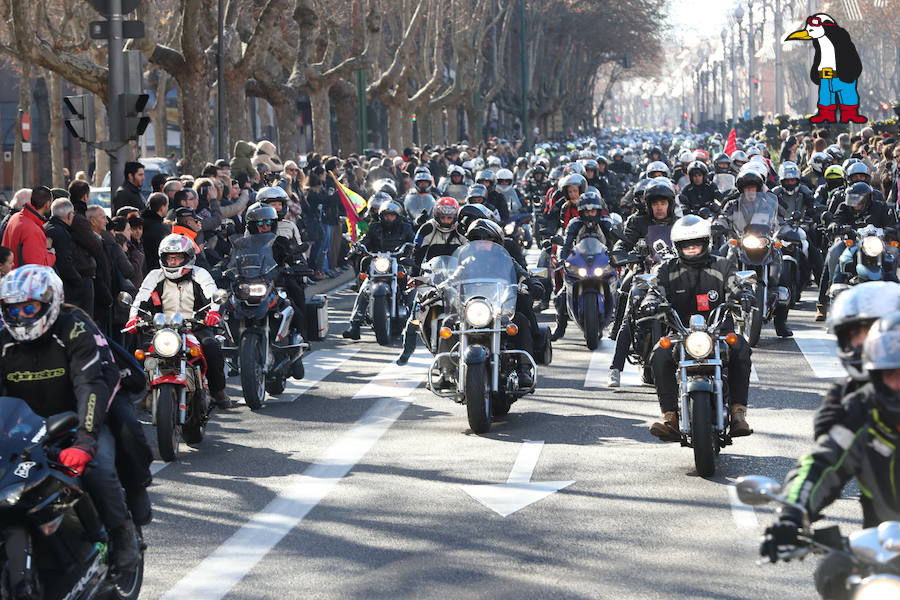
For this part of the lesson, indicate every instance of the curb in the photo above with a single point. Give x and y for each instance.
(329, 285)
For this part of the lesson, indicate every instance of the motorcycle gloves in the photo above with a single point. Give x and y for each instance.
(77, 456)
(780, 535)
(212, 319)
(131, 325)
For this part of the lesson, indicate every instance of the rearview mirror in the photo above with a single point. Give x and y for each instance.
(746, 277)
(125, 298)
(60, 424)
(541, 272)
(220, 296)
(755, 490)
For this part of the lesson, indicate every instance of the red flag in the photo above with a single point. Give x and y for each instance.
(352, 217)
(731, 143)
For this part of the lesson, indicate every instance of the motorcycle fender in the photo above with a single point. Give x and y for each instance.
(172, 378)
(476, 355)
(380, 289)
(789, 258)
(700, 385)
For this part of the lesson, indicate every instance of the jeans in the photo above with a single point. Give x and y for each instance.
(831, 263)
(325, 248)
(834, 91)
(102, 483)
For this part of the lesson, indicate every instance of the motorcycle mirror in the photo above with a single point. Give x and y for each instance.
(616, 218)
(539, 272)
(557, 240)
(755, 490)
(125, 298)
(60, 424)
(220, 296)
(746, 277)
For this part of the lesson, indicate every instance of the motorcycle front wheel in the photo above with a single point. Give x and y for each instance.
(380, 320)
(195, 428)
(703, 437)
(126, 587)
(478, 398)
(168, 431)
(591, 320)
(253, 380)
(756, 317)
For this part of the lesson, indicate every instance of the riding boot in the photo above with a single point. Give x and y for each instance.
(525, 378)
(409, 344)
(126, 551)
(562, 319)
(820, 312)
(780, 318)
(352, 332)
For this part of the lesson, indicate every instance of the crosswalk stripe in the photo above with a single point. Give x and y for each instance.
(394, 379)
(319, 365)
(820, 351)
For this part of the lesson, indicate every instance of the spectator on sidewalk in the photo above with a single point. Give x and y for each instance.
(24, 233)
(129, 193)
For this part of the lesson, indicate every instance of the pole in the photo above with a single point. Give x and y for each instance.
(115, 43)
(779, 76)
(751, 46)
(734, 103)
(221, 133)
(523, 66)
(363, 111)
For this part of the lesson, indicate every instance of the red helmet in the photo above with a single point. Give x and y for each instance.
(444, 213)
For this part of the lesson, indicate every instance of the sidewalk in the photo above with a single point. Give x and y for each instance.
(327, 285)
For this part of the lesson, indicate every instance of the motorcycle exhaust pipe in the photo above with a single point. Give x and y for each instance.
(285, 315)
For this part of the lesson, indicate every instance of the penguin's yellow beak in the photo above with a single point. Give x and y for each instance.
(800, 34)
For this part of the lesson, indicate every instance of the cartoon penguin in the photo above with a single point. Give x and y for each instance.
(835, 69)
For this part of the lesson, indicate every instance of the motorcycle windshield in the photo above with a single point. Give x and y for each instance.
(589, 246)
(441, 268)
(758, 209)
(416, 204)
(724, 181)
(252, 257)
(20, 428)
(485, 269)
(656, 236)
(513, 202)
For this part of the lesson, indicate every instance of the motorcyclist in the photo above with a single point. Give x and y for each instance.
(261, 219)
(659, 211)
(563, 206)
(620, 166)
(814, 175)
(859, 172)
(387, 235)
(699, 193)
(831, 193)
(862, 444)
(179, 286)
(56, 360)
(494, 199)
(278, 199)
(722, 164)
(588, 223)
(738, 159)
(423, 182)
(507, 190)
(536, 185)
(454, 184)
(794, 198)
(695, 283)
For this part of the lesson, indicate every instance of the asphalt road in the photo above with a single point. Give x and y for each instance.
(357, 487)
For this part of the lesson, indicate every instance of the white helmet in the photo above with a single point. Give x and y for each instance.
(494, 162)
(691, 228)
(30, 283)
(177, 244)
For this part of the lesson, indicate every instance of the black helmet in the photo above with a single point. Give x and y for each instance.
(538, 170)
(259, 212)
(748, 177)
(590, 201)
(881, 352)
(858, 196)
(860, 305)
(376, 200)
(660, 187)
(602, 159)
(469, 213)
(484, 229)
(697, 167)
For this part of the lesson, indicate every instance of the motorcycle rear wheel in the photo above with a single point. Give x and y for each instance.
(381, 321)
(478, 398)
(756, 318)
(253, 380)
(126, 590)
(168, 431)
(703, 436)
(194, 429)
(591, 321)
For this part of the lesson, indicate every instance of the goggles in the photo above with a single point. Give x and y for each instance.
(26, 311)
(818, 22)
(265, 223)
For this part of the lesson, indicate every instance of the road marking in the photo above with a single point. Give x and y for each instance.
(743, 514)
(394, 379)
(598, 369)
(820, 351)
(324, 363)
(518, 491)
(754, 376)
(532, 255)
(157, 465)
(219, 572)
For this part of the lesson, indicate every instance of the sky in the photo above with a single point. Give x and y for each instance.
(699, 18)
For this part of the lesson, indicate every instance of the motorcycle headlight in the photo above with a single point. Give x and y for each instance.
(698, 344)
(878, 586)
(582, 272)
(166, 343)
(257, 289)
(478, 313)
(872, 246)
(11, 495)
(509, 228)
(382, 264)
(752, 242)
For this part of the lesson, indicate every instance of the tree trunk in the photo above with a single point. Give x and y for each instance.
(237, 110)
(194, 122)
(452, 124)
(101, 159)
(406, 128)
(20, 179)
(288, 130)
(160, 117)
(320, 106)
(56, 130)
(346, 108)
(426, 127)
(395, 127)
(473, 118)
(41, 136)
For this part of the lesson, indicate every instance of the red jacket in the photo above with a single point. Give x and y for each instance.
(25, 236)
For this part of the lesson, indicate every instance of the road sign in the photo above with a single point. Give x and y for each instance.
(26, 127)
(26, 146)
(746, 114)
(102, 6)
(7, 156)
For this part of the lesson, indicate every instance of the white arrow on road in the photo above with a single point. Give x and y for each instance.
(518, 491)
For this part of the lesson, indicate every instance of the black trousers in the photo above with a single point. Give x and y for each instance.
(662, 362)
(215, 362)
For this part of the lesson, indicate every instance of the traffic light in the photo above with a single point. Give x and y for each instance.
(81, 123)
(134, 121)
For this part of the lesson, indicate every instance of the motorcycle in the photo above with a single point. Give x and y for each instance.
(724, 181)
(53, 543)
(755, 222)
(872, 551)
(176, 371)
(258, 340)
(418, 207)
(477, 289)
(387, 309)
(866, 258)
(519, 229)
(590, 283)
(792, 240)
(700, 350)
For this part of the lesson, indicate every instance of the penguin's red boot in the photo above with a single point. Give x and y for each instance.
(850, 114)
(826, 114)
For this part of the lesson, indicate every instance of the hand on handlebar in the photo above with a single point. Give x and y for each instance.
(782, 534)
(132, 325)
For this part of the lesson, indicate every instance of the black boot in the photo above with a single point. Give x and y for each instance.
(409, 346)
(561, 321)
(352, 332)
(126, 551)
(780, 318)
(139, 504)
(525, 378)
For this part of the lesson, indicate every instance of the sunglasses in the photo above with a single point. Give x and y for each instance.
(265, 223)
(817, 22)
(27, 311)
